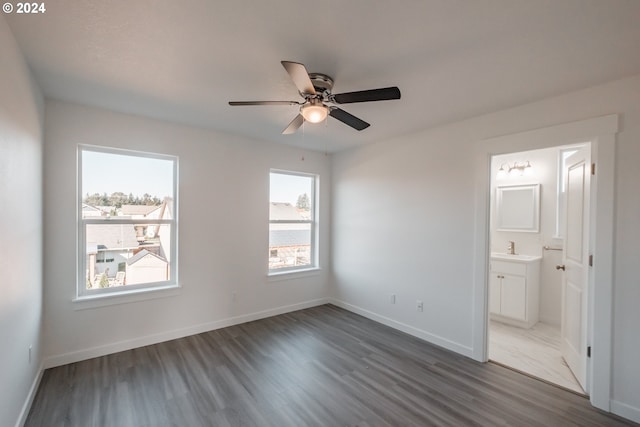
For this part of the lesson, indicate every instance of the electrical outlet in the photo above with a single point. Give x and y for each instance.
(393, 299)
(419, 305)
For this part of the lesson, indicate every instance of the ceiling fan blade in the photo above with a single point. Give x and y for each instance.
(237, 103)
(294, 125)
(348, 119)
(300, 77)
(382, 94)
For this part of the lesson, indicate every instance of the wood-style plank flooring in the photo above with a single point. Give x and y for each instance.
(535, 351)
(322, 366)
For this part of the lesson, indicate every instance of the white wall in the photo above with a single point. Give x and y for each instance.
(21, 115)
(403, 222)
(544, 171)
(223, 233)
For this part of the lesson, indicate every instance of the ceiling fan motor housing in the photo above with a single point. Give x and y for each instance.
(321, 82)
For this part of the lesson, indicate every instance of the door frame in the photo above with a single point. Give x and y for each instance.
(601, 133)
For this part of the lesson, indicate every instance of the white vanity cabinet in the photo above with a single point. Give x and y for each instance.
(514, 289)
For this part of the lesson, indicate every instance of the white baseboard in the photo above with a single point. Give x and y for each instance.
(24, 412)
(419, 333)
(89, 353)
(627, 411)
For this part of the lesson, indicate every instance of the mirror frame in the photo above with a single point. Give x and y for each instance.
(527, 202)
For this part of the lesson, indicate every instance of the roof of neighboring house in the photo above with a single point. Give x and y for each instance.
(143, 253)
(112, 236)
(86, 207)
(168, 212)
(280, 238)
(130, 210)
(286, 211)
(92, 211)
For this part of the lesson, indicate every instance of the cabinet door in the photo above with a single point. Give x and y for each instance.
(513, 302)
(494, 293)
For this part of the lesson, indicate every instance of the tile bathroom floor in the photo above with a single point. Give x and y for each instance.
(534, 351)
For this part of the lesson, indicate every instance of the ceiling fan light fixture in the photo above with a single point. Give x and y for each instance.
(314, 112)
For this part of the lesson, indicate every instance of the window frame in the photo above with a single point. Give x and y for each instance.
(312, 221)
(82, 293)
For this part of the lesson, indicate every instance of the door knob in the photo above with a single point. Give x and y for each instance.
(560, 267)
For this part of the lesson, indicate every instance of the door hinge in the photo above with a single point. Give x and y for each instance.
(590, 260)
(589, 351)
(593, 168)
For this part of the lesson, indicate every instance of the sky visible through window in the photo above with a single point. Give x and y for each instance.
(109, 173)
(287, 188)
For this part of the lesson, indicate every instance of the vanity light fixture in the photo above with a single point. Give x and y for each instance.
(522, 168)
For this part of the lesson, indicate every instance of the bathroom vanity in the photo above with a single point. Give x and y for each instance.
(514, 289)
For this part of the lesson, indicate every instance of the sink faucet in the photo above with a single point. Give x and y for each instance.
(511, 249)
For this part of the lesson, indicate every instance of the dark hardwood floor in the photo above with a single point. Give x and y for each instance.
(322, 366)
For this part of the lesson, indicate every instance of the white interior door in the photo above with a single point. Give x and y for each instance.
(576, 263)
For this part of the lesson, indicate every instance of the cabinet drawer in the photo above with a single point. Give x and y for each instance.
(507, 267)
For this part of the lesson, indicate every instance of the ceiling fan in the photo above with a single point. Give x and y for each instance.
(315, 88)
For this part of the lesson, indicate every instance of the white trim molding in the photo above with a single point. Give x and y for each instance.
(419, 333)
(627, 411)
(26, 407)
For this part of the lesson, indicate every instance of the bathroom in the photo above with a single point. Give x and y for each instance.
(527, 306)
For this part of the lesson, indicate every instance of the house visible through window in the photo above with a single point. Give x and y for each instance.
(292, 221)
(127, 220)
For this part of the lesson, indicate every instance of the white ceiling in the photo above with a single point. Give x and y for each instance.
(452, 59)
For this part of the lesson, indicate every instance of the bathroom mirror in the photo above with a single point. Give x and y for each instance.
(518, 208)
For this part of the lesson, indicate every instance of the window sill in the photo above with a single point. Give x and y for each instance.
(292, 274)
(124, 297)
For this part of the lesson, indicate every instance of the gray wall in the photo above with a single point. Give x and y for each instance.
(21, 115)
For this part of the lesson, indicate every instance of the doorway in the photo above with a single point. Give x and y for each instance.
(534, 310)
(601, 132)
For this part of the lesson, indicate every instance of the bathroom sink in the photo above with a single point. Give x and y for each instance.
(517, 257)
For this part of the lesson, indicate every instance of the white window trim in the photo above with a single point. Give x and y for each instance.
(88, 298)
(314, 266)
(290, 275)
(125, 297)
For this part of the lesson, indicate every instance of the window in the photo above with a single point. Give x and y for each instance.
(292, 222)
(127, 221)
